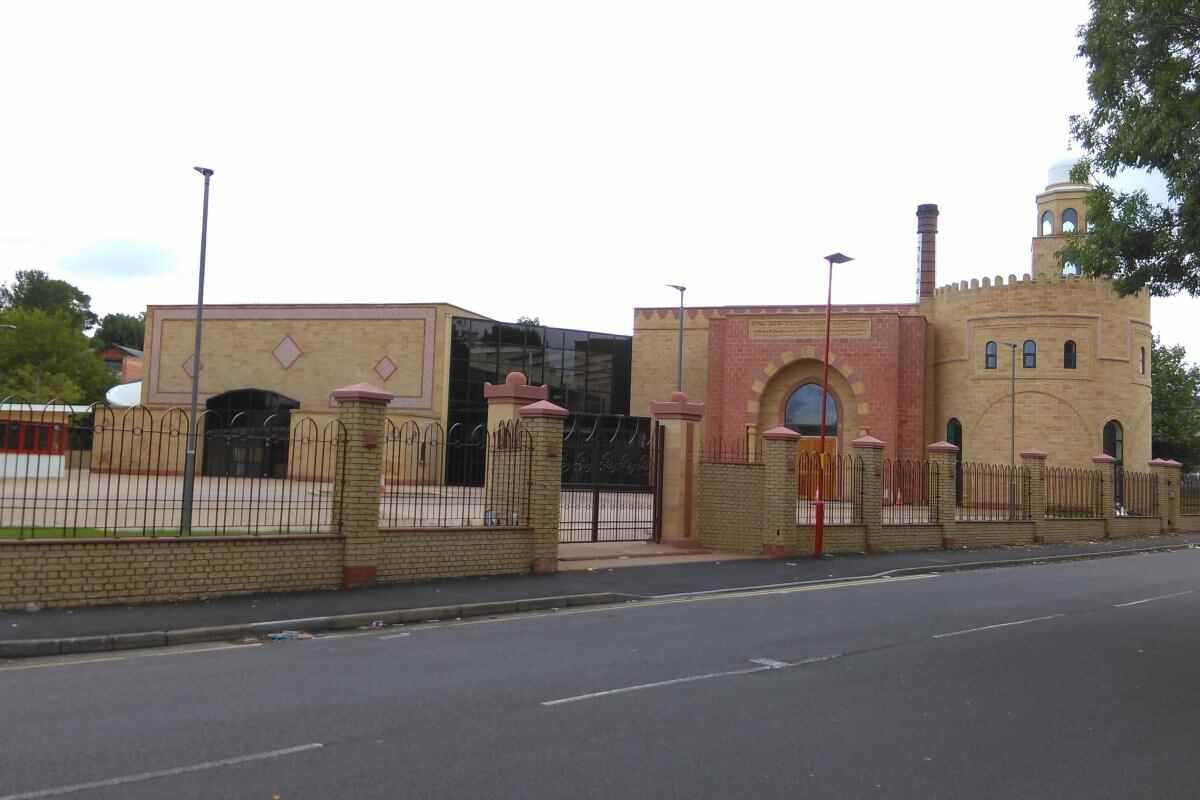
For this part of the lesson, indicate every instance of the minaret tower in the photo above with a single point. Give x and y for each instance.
(1061, 212)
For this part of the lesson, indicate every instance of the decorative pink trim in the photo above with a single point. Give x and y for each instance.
(428, 314)
(1103, 458)
(869, 443)
(1170, 462)
(364, 392)
(299, 351)
(678, 407)
(543, 408)
(1157, 462)
(515, 389)
(1035, 455)
(942, 447)
(781, 434)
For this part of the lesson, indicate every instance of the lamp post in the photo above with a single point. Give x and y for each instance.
(189, 465)
(819, 533)
(1012, 422)
(679, 368)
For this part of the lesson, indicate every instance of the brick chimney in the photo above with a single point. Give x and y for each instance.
(927, 215)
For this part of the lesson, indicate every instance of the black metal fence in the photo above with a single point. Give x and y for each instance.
(1135, 493)
(838, 479)
(611, 480)
(1074, 493)
(132, 485)
(488, 486)
(745, 450)
(910, 492)
(994, 493)
(1189, 494)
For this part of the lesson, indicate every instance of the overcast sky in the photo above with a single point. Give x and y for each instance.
(557, 159)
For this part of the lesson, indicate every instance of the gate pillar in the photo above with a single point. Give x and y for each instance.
(544, 422)
(1170, 473)
(782, 535)
(504, 400)
(361, 411)
(680, 420)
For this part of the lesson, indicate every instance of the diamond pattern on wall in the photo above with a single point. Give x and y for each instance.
(188, 366)
(286, 352)
(385, 369)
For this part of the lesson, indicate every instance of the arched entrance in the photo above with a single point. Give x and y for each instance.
(246, 433)
(1114, 445)
(802, 413)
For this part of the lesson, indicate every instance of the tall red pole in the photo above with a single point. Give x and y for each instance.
(819, 536)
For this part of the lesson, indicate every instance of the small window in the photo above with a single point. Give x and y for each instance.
(989, 356)
(1114, 440)
(1142, 361)
(1070, 220)
(1069, 355)
(1070, 269)
(1047, 224)
(1029, 351)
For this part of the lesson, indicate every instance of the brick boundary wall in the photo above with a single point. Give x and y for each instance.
(1122, 527)
(901, 538)
(1060, 531)
(87, 572)
(835, 539)
(425, 554)
(972, 535)
(1189, 523)
(730, 506)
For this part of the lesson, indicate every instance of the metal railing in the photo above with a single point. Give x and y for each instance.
(1189, 494)
(993, 493)
(910, 492)
(731, 451)
(1074, 493)
(488, 485)
(840, 481)
(273, 477)
(1135, 494)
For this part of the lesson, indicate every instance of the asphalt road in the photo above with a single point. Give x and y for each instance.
(1063, 681)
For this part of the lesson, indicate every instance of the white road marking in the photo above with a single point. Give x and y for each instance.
(162, 773)
(1151, 599)
(764, 665)
(404, 635)
(988, 627)
(214, 649)
(72, 662)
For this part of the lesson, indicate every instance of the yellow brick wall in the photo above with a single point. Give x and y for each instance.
(426, 554)
(1060, 411)
(1057, 531)
(655, 358)
(1121, 527)
(729, 507)
(105, 572)
(975, 535)
(898, 538)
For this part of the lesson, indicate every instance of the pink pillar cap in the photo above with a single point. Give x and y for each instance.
(869, 443)
(1036, 455)
(1157, 462)
(543, 408)
(1170, 462)
(942, 447)
(781, 434)
(515, 389)
(363, 391)
(1103, 458)
(678, 407)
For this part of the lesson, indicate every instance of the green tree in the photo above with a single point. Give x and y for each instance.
(1143, 61)
(123, 329)
(46, 357)
(34, 289)
(1176, 391)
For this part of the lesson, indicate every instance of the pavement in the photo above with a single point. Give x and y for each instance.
(1067, 680)
(602, 581)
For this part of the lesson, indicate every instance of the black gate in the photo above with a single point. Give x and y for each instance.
(611, 479)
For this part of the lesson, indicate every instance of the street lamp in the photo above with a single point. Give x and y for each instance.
(679, 373)
(189, 466)
(819, 533)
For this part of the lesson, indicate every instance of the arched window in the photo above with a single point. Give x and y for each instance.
(1070, 220)
(803, 413)
(989, 355)
(1142, 361)
(1069, 355)
(1114, 440)
(1047, 224)
(1091, 226)
(1070, 269)
(1029, 352)
(954, 432)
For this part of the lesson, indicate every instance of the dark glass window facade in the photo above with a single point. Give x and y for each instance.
(588, 373)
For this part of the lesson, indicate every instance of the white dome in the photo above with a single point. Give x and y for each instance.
(1060, 171)
(125, 394)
